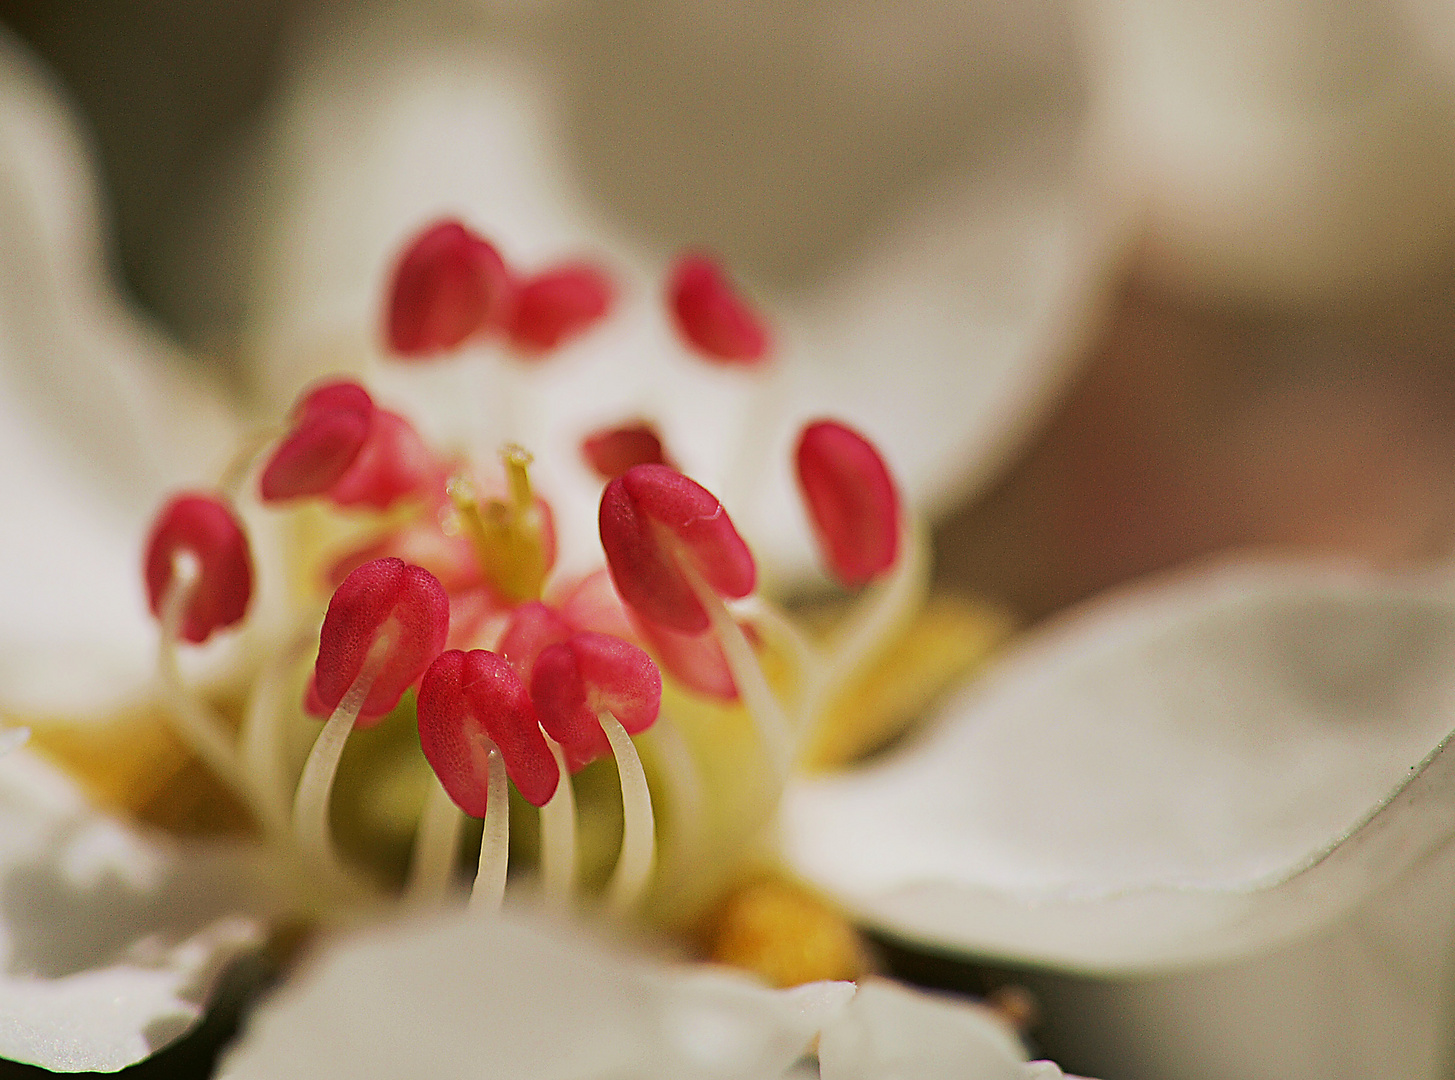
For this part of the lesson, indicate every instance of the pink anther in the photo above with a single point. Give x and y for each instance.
(652, 518)
(851, 500)
(447, 286)
(393, 464)
(711, 316)
(572, 683)
(330, 426)
(383, 597)
(468, 702)
(557, 305)
(204, 529)
(612, 451)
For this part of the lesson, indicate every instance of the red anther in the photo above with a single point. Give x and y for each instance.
(386, 596)
(392, 464)
(448, 286)
(612, 451)
(851, 499)
(532, 627)
(556, 305)
(572, 683)
(205, 528)
(651, 517)
(331, 424)
(712, 316)
(468, 701)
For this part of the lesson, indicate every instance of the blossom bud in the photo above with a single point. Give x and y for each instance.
(467, 702)
(448, 286)
(851, 500)
(204, 528)
(386, 596)
(555, 306)
(652, 517)
(711, 316)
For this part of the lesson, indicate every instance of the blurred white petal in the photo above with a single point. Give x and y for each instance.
(1242, 772)
(1285, 150)
(890, 1031)
(110, 943)
(97, 419)
(474, 998)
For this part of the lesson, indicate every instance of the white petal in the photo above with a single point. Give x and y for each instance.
(942, 332)
(890, 1032)
(1189, 776)
(109, 943)
(97, 419)
(470, 998)
(1291, 149)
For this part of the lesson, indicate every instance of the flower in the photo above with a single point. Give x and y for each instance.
(181, 968)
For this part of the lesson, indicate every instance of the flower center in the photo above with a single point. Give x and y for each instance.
(447, 613)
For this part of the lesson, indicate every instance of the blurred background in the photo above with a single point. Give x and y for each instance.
(1273, 364)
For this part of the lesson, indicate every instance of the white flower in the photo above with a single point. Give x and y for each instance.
(1252, 884)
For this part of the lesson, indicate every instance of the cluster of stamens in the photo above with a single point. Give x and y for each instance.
(517, 679)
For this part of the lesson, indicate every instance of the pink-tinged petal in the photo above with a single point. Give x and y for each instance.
(386, 595)
(392, 464)
(694, 660)
(532, 627)
(448, 286)
(467, 702)
(204, 527)
(593, 604)
(557, 305)
(712, 317)
(851, 500)
(651, 516)
(612, 451)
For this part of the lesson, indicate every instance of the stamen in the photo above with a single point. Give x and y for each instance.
(651, 516)
(555, 306)
(384, 625)
(432, 863)
(762, 704)
(594, 683)
(206, 530)
(513, 540)
(476, 723)
(851, 500)
(410, 601)
(331, 424)
(315, 784)
(639, 829)
(489, 891)
(711, 316)
(612, 451)
(448, 286)
(558, 836)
